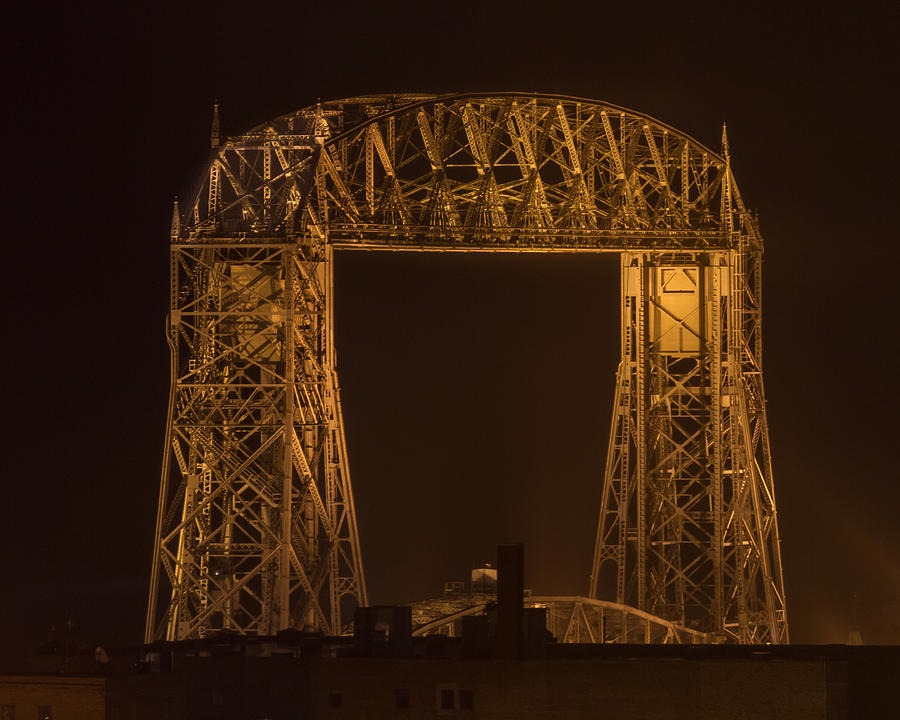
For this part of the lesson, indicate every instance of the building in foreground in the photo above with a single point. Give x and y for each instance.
(301, 676)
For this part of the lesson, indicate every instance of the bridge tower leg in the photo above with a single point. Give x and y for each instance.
(256, 528)
(688, 528)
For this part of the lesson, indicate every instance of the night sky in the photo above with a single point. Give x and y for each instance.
(476, 389)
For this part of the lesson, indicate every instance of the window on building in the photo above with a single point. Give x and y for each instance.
(401, 698)
(8, 712)
(45, 712)
(465, 700)
(336, 699)
(448, 699)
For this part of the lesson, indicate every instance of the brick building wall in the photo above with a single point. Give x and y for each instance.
(52, 697)
(660, 689)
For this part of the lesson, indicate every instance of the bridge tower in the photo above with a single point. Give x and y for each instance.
(688, 525)
(256, 526)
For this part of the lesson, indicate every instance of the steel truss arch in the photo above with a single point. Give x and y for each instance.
(491, 172)
(573, 619)
(256, 528)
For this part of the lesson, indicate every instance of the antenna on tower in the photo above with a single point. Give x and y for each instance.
(725, 151)
(214, 132)
(176, 221)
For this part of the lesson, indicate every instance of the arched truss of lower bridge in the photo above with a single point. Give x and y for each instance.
(256, 527)
(573, 619)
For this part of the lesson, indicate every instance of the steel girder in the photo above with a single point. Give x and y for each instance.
(256, 529)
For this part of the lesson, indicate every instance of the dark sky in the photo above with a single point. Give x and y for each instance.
(477, 390)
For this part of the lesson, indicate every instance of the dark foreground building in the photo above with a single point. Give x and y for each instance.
(502, 663)
(292, 677)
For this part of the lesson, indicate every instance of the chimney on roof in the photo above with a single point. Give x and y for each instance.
(510, 596)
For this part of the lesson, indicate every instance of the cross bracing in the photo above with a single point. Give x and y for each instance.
(256, 529)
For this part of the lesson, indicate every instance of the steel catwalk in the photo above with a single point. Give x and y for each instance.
(256, 526)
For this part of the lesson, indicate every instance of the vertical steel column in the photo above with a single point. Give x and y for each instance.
(641, 434)
(283, 582)
(714, 359)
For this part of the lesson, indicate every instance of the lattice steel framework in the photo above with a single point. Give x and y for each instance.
(256, 529)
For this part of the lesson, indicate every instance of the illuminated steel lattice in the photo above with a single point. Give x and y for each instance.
(256, 529)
